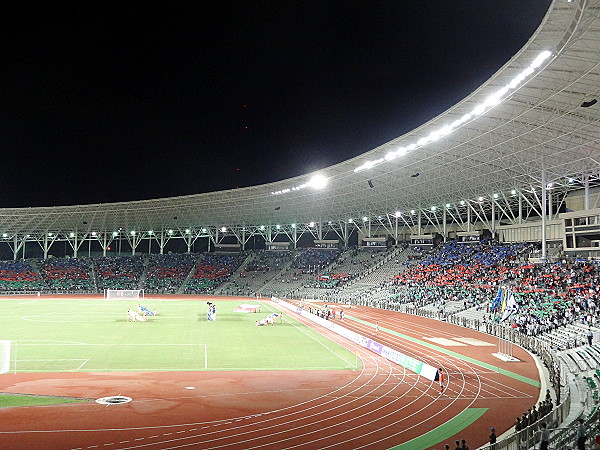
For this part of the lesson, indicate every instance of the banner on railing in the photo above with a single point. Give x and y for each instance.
(390, 354)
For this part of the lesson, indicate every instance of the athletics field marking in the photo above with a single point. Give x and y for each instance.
(442, 350)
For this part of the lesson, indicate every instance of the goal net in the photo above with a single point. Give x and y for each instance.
(4, 356)
(123, 294)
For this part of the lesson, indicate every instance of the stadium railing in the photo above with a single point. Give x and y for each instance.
(563, 435)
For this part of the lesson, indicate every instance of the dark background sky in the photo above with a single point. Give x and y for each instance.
(129, 104)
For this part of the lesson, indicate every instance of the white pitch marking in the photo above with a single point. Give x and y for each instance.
(445, 342)
(475, 342)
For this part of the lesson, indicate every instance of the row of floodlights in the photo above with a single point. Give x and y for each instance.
(481, 108)
(311, 224)
(320, 181)
(316, 182)
(117, 233)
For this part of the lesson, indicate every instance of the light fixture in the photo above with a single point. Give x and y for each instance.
(318, 182)
(489, 102)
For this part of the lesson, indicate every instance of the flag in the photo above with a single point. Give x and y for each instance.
(497, 301)
(510, 308)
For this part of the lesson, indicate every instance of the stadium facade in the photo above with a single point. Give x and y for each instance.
(519, 158)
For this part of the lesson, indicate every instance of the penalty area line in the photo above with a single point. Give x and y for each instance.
(82, 364)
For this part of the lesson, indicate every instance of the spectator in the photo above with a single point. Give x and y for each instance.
(492, 438)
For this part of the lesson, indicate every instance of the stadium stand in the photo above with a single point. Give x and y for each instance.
(211, 270)
(71, 274)
(20, 276)
(256, 271)
(118, 272)
(166, 273)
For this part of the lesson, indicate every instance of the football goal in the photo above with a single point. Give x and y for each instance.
(4, 356)
(123, 294)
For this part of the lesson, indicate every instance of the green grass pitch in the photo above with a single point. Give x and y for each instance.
(93, 335)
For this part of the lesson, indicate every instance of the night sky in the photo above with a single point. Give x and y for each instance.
(128, 104)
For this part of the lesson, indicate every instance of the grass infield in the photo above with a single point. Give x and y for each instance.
(14, 400)
(93, 335)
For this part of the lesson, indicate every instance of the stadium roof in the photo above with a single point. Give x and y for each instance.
(536, 115)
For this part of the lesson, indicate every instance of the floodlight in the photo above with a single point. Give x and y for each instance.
(479, 109)
(541, 58)
(445, 130)
(223, 229)
(448, 205)
(318, 182)
(397, 214)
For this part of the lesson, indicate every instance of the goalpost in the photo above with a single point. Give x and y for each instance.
(123, 294)
(4, 356)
